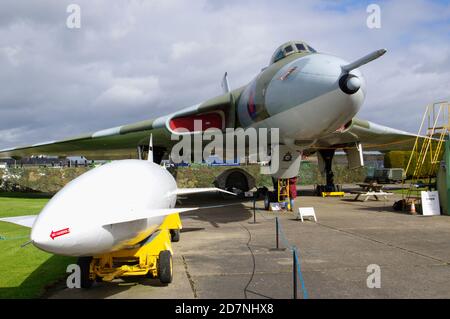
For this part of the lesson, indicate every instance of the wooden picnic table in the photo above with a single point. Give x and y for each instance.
(370, 189)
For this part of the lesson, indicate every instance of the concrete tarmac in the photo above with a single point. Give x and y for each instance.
(223, 254)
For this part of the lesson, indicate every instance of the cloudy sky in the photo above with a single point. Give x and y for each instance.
(134, 60)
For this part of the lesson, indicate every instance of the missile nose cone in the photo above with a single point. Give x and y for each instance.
(39, 240)
(350, 83)
(42, 238)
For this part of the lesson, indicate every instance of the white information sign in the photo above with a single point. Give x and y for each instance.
(430, 203)
(306, 212)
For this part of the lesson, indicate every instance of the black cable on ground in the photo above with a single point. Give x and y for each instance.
(253, 258)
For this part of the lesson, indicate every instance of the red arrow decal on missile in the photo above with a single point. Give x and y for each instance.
(58, 233)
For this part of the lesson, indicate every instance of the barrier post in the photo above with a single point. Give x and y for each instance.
(294, 272)
(254, 209)
(277, 236)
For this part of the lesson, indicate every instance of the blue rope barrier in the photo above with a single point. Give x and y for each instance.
(283, 237)
(299, 270)
(300, 275)
(12, 238)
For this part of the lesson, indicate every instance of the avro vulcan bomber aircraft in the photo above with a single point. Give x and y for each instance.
(311, 97)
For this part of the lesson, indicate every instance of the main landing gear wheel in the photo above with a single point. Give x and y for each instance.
(269, 197)
(85, 263)
(175, 235)
(165, 267)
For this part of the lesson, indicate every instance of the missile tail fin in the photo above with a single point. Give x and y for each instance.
(26, 221)
(185, 191)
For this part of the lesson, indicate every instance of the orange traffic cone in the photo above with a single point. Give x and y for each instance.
(413, 208)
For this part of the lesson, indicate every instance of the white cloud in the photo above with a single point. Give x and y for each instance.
(129, 92)
(11, 54)
(184, 50)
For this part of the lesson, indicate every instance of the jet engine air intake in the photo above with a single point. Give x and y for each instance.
(349, 83)
(207, 121)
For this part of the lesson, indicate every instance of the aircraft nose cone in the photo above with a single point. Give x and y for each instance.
(312, 96)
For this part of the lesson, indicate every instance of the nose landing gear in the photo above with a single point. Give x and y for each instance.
(330, 189)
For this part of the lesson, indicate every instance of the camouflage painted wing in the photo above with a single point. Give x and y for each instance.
(112, 143)
(122, 142)
(372, 136)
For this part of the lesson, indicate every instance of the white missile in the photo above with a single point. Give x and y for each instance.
(106, 209)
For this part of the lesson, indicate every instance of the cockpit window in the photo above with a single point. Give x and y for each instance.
(278, 56)
(288, 49)
(300, 47)
(311, 49)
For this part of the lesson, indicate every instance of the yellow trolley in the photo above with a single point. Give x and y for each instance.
(152, 258)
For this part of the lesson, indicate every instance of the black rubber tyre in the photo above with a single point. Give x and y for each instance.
(165, 270)
(175, 235)
(84, 263)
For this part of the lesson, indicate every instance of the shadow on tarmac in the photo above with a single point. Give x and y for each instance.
(233, 210)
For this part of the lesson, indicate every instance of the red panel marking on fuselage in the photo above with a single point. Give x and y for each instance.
(289, 72)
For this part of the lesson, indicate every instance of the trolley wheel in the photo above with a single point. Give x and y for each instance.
(85, 263)
(175, 235)
(165, 270)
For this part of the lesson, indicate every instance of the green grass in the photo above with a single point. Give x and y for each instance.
(25, 272)
(404, 191)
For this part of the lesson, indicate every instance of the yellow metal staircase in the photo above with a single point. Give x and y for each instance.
(283, 191)
(428, 147)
